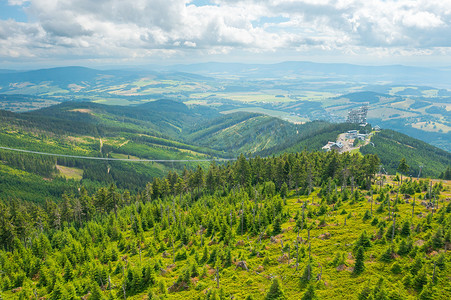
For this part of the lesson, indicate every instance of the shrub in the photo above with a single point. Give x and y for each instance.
(387, 255)
(374, 221)
(396, 268)
(367, 215)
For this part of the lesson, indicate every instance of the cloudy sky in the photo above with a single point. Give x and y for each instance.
(108, 32)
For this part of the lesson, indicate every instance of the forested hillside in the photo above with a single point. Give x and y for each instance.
(301, 225)
(244, 133)
(163, 130)
(151, 131)
(391, 146)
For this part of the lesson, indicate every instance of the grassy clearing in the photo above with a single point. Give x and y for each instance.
(196, 102)
(317, 96)
(254, 97)
(273, 113)
(430, 93)
(70, 173)
(397, 89)
(167, 86)
(403, 104)
(205, 95)
(389, 113)
(432, 126)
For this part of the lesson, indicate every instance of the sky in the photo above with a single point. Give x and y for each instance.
(37, 33)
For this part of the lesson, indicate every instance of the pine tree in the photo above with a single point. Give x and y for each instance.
(243, 176)
(71, 292)
(275, 291)
(363, 241)
(396, 268)
(359, 261)
(403, 167)
(284, 190)
(441, 261)
(96, 292)
(403, 248)
(416, 265)
(437, 239)
(420, 280)
(68, 271)
(379, 292)
(427, 292)
(59, 292)
(205, 256)
(228, 259)
(405, 230)
(277, 227)
(151, 295)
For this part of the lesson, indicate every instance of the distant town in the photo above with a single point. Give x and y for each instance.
(353, 139)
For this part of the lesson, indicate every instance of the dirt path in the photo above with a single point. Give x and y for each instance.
(124, 143)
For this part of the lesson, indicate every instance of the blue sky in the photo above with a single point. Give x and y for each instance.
(14, 12)
(109, 32)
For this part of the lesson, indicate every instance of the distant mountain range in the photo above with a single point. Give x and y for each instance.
(397, 74)
(412, 100)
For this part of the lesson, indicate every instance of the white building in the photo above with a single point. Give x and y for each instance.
(333, 146)
(352, 134)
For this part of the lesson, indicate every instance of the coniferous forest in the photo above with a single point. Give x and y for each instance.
(306, 225)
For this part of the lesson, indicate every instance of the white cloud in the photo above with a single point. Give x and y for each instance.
(127, 29)
(422, 20)
(189, 44)
(17, 2)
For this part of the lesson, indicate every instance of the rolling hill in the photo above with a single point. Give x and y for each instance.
(391, 146)
(171, 130)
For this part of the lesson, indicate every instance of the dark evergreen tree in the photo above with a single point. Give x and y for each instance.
(275, 291)
(403, 167)
(277, 226)
(359, 261)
